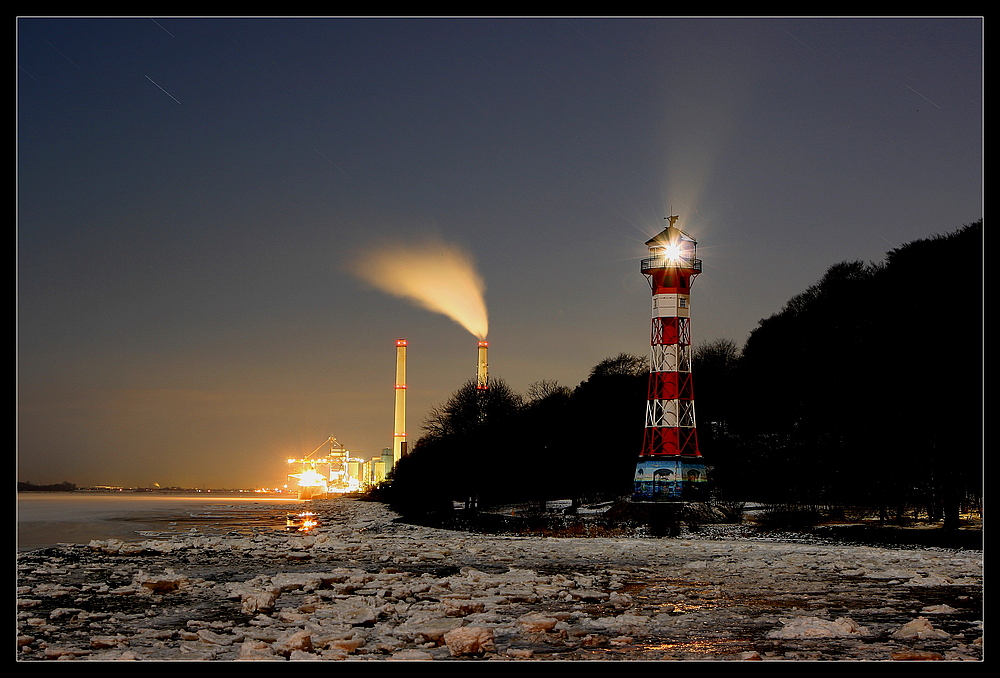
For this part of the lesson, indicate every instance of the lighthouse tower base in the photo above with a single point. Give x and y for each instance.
(670, 479)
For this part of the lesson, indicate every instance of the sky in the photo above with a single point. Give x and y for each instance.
(195, 197)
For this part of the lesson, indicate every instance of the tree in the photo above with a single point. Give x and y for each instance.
(851, 393)
(607, 423)
(494, 446)
(464, 452)
(539, 391)
(543, 442)
(622, 365)
(713, 368)
(470, 409)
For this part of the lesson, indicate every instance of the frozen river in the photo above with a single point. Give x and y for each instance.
(365, 586)
(48, 518)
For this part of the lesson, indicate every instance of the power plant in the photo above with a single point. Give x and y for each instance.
(338, 472)
(335, 472)
(670, 465)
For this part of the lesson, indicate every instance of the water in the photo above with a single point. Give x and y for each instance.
(48, 518)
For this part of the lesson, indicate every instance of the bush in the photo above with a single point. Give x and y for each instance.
(788, 517)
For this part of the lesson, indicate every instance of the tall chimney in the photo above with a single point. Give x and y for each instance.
(482, 373)
(399, 421)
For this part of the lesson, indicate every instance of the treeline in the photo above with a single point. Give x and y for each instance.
(58, 487)
(865, 390)
(496, 446)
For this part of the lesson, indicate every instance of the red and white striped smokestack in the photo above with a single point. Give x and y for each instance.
(399, 421)
(482, 373)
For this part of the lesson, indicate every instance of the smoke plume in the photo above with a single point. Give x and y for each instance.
(438, 276)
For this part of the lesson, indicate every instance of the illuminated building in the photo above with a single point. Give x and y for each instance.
(337, 472)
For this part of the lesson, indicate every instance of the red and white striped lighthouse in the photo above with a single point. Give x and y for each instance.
(670, 465)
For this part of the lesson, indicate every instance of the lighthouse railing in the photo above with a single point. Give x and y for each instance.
(667, 262)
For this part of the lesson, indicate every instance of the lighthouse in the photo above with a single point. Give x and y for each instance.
(670, 465)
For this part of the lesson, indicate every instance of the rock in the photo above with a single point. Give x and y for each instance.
(254, 599)
(930, 580)
(411, 656)
(939, 609)
(213, 638)
(163, 583)
(300, 640)
(347, 645)
(351, 611)
(915, 656)
(431, 555)
(814, 627)
(50, 590)
(306, 581)
(106, 545)
(536, 623)
(469, 640)
(256, 650)
(589, 595)
(919, 628)
(462, 608)
(427, 630)
(104, 642)
(65, 652)
(620, 599)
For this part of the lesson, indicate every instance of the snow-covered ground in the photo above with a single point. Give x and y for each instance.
(362, 587)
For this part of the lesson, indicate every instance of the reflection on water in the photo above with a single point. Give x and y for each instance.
(658, 649)
(700, 646)
(48, 518)
(301, 522)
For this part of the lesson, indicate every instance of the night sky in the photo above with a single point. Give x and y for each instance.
(193, 195)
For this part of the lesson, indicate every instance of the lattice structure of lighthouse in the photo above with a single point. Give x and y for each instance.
(670, 465)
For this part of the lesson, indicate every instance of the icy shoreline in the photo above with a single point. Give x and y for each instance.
(363, 587)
